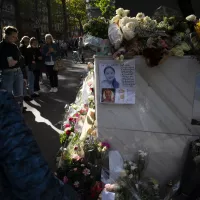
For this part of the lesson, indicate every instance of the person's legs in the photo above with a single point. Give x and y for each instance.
(7, 81)
(26, 95)
(31, 82)
(37, 80)
(18, 87)
(50, 72)
(55, 80)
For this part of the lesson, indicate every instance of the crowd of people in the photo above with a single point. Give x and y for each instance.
(21, 67)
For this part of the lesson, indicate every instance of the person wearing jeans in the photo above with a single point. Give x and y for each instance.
(34, 57)
(51, 52)
(10, 64)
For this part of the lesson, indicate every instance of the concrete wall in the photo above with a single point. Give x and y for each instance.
(160, 121)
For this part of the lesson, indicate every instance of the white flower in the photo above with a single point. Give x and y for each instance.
(117, 58)
(147, 19)
(191, 18)
(130, 176)
(76, 184)
(125, 165)
(104, 149)
(120, 11)
(91, 98)
(82, 165)
(133, 167)
(128, 33)
(153, 23)
(140, 16)
(131, 25)
(130, 163)
(124, 21)
(121, 57)
(142, 153)
(115, 19)
(125, 13)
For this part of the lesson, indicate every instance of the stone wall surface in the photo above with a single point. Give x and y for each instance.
(160, 121)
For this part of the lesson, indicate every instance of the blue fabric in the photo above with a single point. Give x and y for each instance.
(54, 54)
(24, 173)
(12, 81)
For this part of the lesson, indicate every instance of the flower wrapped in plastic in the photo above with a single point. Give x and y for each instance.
(115, 35)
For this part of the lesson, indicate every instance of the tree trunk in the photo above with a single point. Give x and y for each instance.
(49, 16)
(18, 17)
(186, 7)
(65, 20)
(1, 16)
(80, 27)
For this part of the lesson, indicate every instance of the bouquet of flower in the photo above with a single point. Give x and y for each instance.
(131, 184)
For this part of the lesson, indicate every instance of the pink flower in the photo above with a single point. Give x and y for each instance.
(105, 144)
(65, 179)
(72, 120)
(77, 115)
(86, 172)
(67, 125)
(76, 184)
(76, 157)
(75, 169)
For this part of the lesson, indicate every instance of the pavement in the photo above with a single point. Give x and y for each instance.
(45, 114)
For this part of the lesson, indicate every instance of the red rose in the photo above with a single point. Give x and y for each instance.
(68, 132)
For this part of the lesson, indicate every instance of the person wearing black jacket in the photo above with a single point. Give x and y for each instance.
(34, 60)
(24, 42)
(11, 64)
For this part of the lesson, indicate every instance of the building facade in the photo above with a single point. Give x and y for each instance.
(149, 8)
(92, 12)
(8, 13)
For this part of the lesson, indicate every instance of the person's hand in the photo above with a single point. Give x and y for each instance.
(40, 58)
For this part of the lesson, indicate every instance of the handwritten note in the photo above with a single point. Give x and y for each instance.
(128, 75)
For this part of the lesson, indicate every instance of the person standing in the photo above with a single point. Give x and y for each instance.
(50, 53)
(80, 49)
(34, 59)
(11, 62)
(23, 48)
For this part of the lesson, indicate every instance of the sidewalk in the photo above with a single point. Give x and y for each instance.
(46, 112)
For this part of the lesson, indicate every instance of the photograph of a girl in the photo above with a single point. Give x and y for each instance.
(110, 80)
(108, 95)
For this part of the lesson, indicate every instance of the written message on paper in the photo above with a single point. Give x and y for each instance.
(117, 82)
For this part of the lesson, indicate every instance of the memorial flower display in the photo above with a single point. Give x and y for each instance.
(156, 38)
(132, 184)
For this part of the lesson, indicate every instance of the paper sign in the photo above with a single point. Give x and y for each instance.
(117, 82)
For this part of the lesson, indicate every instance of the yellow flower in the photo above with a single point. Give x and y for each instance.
(177, 51)
(115, 19)
(197, 28)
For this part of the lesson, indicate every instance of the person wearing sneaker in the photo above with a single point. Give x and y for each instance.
(51, 52)
(34, 57)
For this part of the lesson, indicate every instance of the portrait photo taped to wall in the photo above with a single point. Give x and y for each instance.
(121, 79)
